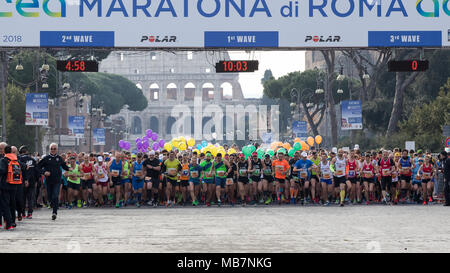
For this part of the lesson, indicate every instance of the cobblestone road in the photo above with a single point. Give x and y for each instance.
(375, 228)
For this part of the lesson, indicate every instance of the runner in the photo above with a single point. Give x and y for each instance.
(125, 180)
(340, 182)
(267, 179)
(256, 166)
(326, 179)
(173, 167)
(294, 184)
(152, 167)
(427, 170)
(315, 182)
(101, 179)
(221, 168)
(87, 181)
(184, 178)
(137, 182)
(353, 169)
(303, 167)
(281, 169)
(116, 169)
(74, 187)
(194, 180)
(231, 180)
(385, 172)
(208, 178)
(405, 166)
(243, 181)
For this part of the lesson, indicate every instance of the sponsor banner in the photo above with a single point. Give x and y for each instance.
(405, 38)
(36, 110)
(76, 126)
(200, 23)
(351, 115)
(99, 136)
(241, 39)
(300, 129)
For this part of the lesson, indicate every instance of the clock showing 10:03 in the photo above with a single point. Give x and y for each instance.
(236, 66)
(77, 66)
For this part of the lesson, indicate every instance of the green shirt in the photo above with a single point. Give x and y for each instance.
(220, 169)
(77, 173)
(206, 169)
(316, 162)
(172, 168)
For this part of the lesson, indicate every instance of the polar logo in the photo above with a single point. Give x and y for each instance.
(159, 39)
(323, 39)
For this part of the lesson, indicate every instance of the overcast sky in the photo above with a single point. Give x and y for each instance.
(280, 62)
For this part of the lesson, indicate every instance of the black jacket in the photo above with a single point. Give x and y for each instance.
(32, 173)
(447, 168)
(52, 164)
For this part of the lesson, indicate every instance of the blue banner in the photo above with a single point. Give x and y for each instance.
(36, 110)
(241, 39)
(76, 126)
(77, 38)
(300, 129)
(405, 38)
(351, 115)
(99, 136)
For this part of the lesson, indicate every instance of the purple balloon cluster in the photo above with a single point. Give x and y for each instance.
(124, 145)
(143, 144)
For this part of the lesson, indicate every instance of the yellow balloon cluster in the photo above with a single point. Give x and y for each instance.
(181, 143)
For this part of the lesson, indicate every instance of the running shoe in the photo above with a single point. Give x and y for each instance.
(29, 216)
(196, 203)
(19, 218)
(208, 204)
(79, 204)
(342, 204)
(268, 201)
(84, 204)
(337, 201)
(9, 228)
(425, 202)
(219, 203)
(327, 203)
(261, 201)
(430, 200)
(292, 200)
(117, 205)
(367, 202)
(70, 207)
(54, 216)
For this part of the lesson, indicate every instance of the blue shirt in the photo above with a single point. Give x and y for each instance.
(303, 164)
(197, 169)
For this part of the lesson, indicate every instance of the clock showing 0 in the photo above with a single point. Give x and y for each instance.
(77, 66)
(236, 66)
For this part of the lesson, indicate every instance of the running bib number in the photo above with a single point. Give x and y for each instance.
(101, 175)
(194, 174)
(115, 173)
(394, 174)
(229, 181)
(385, 172)
(327, 176)
(426, 175)
(339, 172)
(172, 172)
(185, 173)
(295, 178)
(267, 171)
(208, 174)
(280, 168)
(86, 176)
(138, 173)
(405, 170)
(256, 172)
(368, 174)
(242, 172)
(148, 179)
(418, 177)
(220, 173)
(351, 173)
(303, 174)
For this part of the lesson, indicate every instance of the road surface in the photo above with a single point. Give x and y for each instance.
(377, 228)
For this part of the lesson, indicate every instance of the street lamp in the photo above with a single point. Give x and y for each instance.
(19, 66)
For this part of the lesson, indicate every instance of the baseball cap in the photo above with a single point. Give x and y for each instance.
(100, 159)
(254, 153)
(152, 152)
(241, 155)
(419, 151)
(304, 154)
(397, 154)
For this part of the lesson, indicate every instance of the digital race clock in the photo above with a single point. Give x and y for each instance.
(408, 66)
(236, 66)
(77, 66)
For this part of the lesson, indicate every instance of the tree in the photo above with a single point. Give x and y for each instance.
(425, 122)
(267, 76)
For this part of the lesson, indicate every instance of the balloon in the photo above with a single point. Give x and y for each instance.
(270, 152)
(297, 140)
(310, 141)
(303, 145)
(199, 146)
(155, 146)
(287, 146)
(260, 152)
(191, 142)
(297, 146)
(148, 133)
(183, 146)
(291, 152)
(154, 136)
(318, 139)
(168, 147)
(138, 140)
(273, 145)
(139, 145)
(252, 148)
(144, 138)
(231, 151)
(127, 146)
(161, 143)
(204, 143)
(247, 151)
(306, 147)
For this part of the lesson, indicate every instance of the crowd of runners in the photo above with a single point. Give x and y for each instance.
(189, 178)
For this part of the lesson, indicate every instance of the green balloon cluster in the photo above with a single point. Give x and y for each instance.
(291, 152)
(248, 150)
(270, 152)
(297, 146)
(261, 153)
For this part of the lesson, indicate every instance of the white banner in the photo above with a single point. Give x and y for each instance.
(224, 23)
